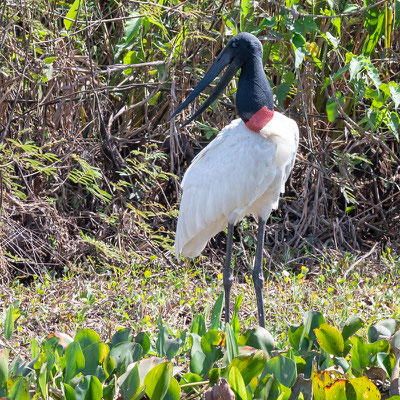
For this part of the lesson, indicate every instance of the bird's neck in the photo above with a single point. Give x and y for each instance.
(254, 99)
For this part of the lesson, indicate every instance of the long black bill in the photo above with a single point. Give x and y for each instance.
(223, 59)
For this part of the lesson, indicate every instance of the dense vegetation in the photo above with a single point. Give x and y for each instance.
(90, 168)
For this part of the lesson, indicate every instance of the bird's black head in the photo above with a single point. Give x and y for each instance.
(242, 51)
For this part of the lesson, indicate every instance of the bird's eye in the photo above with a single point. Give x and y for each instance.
(235, 44)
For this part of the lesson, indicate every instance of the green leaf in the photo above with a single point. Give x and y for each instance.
(386, 362)
(95, 354)
(86, 337)
(363, 388)
(259, 338)
(129, 382)
(372, 39)
(251, 365)
(157, 380)
(122, 335)
(284, 369)
(3, 366)
(167, 346)
(69, 392)
(189, 377)
(232, 348)
(74, 361)
(395, 94)
(355, 67)
(174, 390)
(125, 353)
(395, 342)
(312, 320)
(351, 326)
(146, 364)
(72, 14)
(217, 312)
(9, 322)
(89, 388)
(359, 355)
(246, 9)
(331, 107)
(235, 324)
(330, 339)
(376, 331)
(198, 325)
(19, 389)
(236, 383)
(143, 339)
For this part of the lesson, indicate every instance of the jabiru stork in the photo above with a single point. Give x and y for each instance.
(244, 169)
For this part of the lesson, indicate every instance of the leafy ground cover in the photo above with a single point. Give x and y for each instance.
(162, 312)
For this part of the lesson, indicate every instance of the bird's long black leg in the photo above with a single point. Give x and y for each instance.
(258, 277)
(227, 270)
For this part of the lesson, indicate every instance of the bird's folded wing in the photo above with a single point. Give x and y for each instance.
(222, 183)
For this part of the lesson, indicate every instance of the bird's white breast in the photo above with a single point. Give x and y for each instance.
(240, 172)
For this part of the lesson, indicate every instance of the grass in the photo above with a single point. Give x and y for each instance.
(137, 296)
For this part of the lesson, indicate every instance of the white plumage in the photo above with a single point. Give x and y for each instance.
(239, 173)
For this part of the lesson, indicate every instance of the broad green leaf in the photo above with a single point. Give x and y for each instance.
(157, 380)
(359, 355)
(363, 388)
(387, 362)
(74, 361)
(336, 391)
(283, 368)
(125, 353)
(332, 108)
(174, 390)
(9, 322)
(355, 67)
(351, 326)
(295, 334)
(232, 348)
(165, 345)
(86, 337)
(69, 392)
(217, 312)
(235, 324)
(376, 331)
(382, 346)
(198, 325)
(395, 342)
(236, 383)
(259, 338)
(3, 366)
(144, 341)
(395, 93)
(393, 123)
(312, 320)
(246, 8)
(197, 355)
(122, 335)
(18, 389)
(372, 39)
(89, 388)
(250, 366)
(72, 14)
(330, 339)
(95, 354)
(129, 382)
(147, 364)
(324, 383)
(373, 73)
(189, 377)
